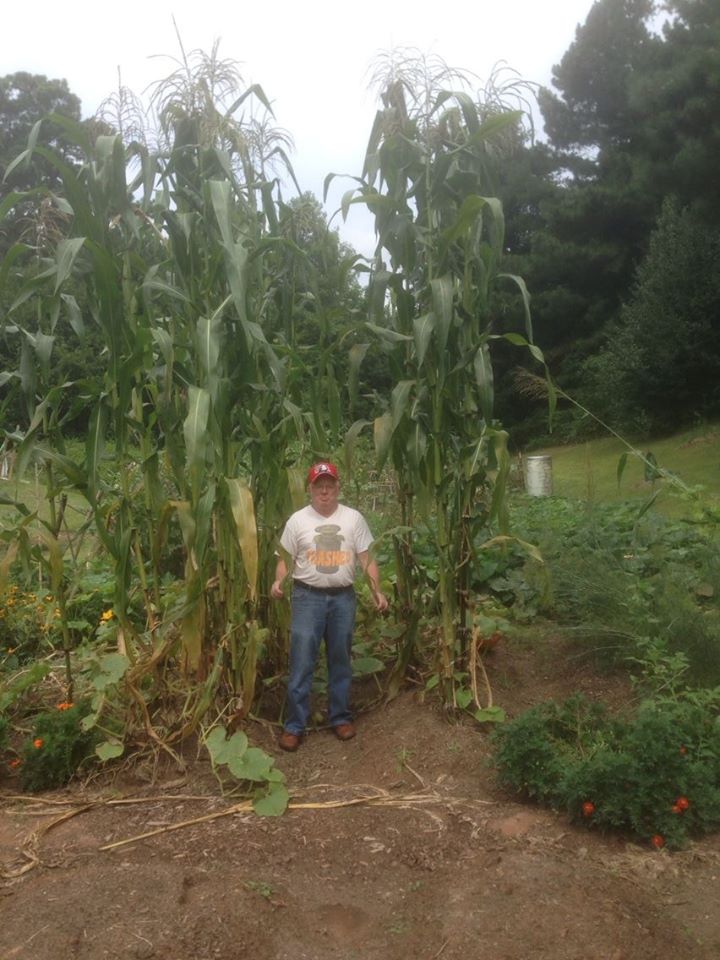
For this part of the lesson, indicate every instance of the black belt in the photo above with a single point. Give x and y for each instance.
(328, 591)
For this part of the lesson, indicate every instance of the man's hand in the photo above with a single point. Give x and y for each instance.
(381, 601)
(370, 568)
(281, 571)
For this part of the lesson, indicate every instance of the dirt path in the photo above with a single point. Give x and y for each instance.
(443, 864)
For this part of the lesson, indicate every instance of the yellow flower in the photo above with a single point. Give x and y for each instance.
(105, 616)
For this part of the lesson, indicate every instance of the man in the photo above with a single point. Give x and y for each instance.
(325, 541)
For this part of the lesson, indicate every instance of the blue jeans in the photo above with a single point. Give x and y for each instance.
(317, 616)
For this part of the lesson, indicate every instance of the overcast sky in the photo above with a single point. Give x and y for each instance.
(312, 58)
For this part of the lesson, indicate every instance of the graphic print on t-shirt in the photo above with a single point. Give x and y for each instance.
(328, 556)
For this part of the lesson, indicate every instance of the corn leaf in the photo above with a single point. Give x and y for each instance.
(221, 195)
(423, 329)
(243, 511)
(442, 300)
(254, 642)
(195, 426)
(484, 379)
(399, 401)
(296, 486)
(74, 314)
(382, 435)
(66, 254)
(385, 333)
(356, 356)
(208, 344)
(522, 287)
(192, 631)
(349, 443)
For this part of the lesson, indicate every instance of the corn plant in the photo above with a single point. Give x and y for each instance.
(427, 179)
(179, 259)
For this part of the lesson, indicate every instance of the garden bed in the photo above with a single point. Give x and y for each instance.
(408, 847)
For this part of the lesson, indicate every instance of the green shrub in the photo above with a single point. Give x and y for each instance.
(654, 775)
(688, 625)
(535, 751)
(57, 747)
(621, 581)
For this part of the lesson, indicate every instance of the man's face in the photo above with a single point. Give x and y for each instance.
(324, 495)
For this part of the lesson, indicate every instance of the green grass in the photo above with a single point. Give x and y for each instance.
(588, 471)
(32, 495)
(30, 490)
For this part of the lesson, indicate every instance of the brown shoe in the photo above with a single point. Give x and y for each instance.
(344, 731)
(289, 741)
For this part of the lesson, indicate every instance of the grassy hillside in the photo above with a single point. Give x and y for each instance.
(586, 471)
(589, 470)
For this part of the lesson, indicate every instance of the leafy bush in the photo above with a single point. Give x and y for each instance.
(535, 750)
(57, 747)
(623, 580)
(655, 775)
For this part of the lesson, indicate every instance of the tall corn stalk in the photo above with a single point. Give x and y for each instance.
(427, 179)
(175, 257)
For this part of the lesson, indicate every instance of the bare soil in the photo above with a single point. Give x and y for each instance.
(434, 860)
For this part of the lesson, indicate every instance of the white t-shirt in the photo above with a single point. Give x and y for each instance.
(324, 549)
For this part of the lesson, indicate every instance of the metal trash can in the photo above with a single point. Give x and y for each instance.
(538, 476)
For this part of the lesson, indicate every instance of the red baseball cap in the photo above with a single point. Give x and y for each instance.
(322, 469)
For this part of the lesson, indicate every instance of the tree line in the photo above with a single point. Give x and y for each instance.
(613, 220)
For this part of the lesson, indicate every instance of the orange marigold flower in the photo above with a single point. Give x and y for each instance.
(14, 764)
(38, 742)
(64, 706)
(657, 841)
